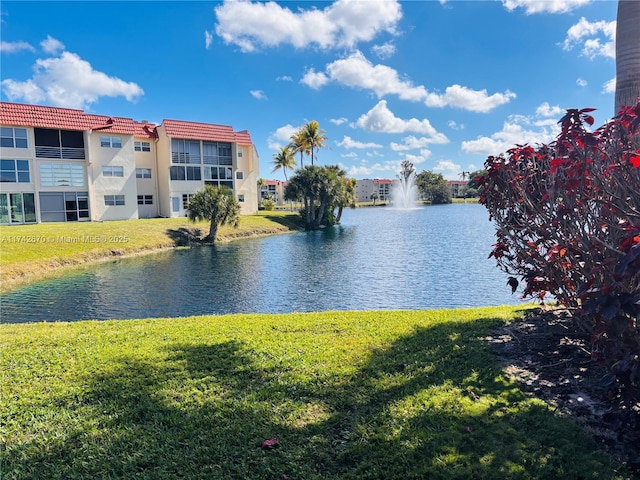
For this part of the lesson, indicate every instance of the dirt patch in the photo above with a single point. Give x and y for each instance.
(549, 357)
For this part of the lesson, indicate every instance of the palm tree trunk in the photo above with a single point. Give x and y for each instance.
(627, 54)
(213, 232)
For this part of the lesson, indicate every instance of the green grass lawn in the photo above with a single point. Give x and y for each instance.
(349, 395)
(31, 252)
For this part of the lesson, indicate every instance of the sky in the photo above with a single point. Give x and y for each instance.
(443, 84)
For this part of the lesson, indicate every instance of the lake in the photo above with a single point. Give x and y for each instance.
(378, 258)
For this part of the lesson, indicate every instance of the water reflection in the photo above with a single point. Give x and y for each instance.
(379, 258)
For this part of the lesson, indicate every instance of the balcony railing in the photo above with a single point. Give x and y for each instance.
(68, 153)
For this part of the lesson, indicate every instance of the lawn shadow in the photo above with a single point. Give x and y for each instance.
(433, 404)
(293, 222)
(185, 236)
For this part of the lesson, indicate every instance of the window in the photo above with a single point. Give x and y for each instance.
(114, 200)
(185, 173)
(142, 146)
(239, 176)
(51, 143)
(218, 176)
(111, 142)
(17, 208)
(175, 204)
(216, 153)
(13, 137)
(64, 206)
(185, 151)
(193, 173)
(14, 171)
(110, 171)
(241, 198)
(61, 175)
(186, 198)
(143, 173)
(145, 199)
(177, 173)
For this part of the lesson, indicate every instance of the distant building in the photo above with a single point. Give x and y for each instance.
(367, 187)
(273, 189)
(458, 187)
(62, 165)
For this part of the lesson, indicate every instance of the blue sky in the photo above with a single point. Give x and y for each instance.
(443, 84)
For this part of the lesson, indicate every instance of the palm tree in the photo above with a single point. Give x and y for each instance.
(314, 137)
(217, 205)
(627, 54)
(299, 145)
(284, 159)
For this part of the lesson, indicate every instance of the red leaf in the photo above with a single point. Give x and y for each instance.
(635, 161)
(270, 443)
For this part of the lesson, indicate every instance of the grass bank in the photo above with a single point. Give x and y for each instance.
(348, 395)
(33, 252)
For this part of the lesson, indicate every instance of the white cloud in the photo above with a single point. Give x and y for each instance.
(515, 131)
(609, 86)
(313, 79)
(357, 72)
(387, 169)
(349, 155)
(546, 110)
(348, 142)
(385, 50)
(381, 119)
(338, 121)
(343, 23)
(284, 78)
(544, 6)
(259, 94)
(411, 143)
(597, 38)
(417, 159)
(581, 82)
(208, 39)
(68, 81)
(468, 99)
(455, 126)
(448, 169)
(52, 46)
(13, 47)
(281, 137)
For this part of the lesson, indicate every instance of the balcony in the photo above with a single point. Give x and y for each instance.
(68, 153)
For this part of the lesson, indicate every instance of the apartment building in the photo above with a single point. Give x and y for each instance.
(367, 187)
(273, 189)
(62, 165)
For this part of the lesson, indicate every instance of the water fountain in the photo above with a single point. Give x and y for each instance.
(404, 193)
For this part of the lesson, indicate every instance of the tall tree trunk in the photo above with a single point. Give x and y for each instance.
(213, 232)
(627, 54)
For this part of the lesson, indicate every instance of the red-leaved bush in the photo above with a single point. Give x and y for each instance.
(567, 219)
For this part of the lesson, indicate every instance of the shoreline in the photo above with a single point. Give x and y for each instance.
(20, 274)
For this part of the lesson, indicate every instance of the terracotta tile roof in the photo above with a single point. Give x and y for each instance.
(145, 130)
(382, 181)
(64, 118)
(205, 131)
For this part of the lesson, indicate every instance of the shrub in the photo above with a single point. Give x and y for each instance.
(268, 204)
(567, 221)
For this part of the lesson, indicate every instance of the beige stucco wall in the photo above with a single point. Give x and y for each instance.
(147, 186)
(102, 185)
(248, 186)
